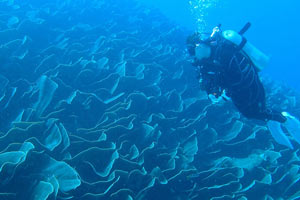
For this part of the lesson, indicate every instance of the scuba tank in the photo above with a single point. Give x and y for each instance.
(258, 58)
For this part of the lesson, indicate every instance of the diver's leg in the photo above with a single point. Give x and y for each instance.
(274, 116)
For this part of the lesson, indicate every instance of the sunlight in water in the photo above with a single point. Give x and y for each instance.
(200, 12)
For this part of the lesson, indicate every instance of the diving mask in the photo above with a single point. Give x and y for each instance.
(202, 51)
(199, 44)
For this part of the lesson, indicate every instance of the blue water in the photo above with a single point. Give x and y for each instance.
(275, 28)
(99, 101)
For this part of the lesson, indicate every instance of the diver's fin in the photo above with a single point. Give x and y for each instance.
(292, 124)
(278, 134)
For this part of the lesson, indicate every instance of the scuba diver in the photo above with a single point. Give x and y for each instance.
(228, 66)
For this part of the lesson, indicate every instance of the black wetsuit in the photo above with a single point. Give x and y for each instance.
(231, 70)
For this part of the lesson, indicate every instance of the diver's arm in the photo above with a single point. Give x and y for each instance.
(210, 80)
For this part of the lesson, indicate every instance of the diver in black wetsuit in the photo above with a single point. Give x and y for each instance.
(228, 64)
(224, 66)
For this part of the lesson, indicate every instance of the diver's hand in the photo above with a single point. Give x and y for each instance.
(214, 99)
